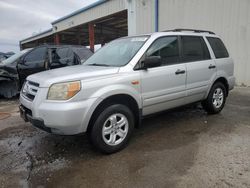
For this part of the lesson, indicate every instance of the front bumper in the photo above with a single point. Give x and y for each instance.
(63, 118)
(27, 117)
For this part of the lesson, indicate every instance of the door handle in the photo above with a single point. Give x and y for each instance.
(212, 66)
(180, 72)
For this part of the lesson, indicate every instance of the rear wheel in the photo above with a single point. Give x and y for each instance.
(112, 128)
(216, 99)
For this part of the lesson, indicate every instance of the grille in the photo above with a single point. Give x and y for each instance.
(29, 90)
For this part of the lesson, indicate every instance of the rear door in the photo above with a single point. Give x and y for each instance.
(163, 87)
(224, 62)
(201, 69)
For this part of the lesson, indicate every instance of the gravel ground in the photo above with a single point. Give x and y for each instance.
(180, 148)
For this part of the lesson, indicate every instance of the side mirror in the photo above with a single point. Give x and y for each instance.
(150, 62)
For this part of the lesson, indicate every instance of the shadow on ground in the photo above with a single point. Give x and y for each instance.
(166, 151)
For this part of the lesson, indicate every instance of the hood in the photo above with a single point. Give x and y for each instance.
(78, 72)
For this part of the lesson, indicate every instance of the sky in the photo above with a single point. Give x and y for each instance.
(20, 19)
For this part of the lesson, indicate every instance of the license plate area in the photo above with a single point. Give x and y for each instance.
(23, 113)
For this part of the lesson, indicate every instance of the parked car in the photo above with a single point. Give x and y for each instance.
(8, 75)
(4, 56)
(126, 80)
(40, 59)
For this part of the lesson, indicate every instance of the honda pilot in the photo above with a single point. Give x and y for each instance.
(126, 80)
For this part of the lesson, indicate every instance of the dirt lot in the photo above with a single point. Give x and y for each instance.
(180, 148)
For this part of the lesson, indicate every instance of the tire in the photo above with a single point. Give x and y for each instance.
(216, 99)
(112, 129)
(8, 89)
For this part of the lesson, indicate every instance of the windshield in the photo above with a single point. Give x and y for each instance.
(13, 58)
(117, 53)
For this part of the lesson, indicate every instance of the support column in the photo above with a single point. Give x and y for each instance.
(91, 37)
(78, 36)
(56, 39)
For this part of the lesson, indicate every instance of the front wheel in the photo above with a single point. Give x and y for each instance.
(112, 128)
(216, 99)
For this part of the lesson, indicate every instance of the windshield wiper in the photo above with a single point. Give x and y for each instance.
(95, 64)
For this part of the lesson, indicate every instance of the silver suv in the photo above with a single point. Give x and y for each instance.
(128, 79)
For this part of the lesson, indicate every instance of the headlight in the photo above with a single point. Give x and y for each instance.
(64, 91)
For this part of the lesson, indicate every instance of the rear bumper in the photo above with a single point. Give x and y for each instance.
(231, 83)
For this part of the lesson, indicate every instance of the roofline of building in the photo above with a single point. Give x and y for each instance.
(79, 11)
(37, 35)
(66, 17)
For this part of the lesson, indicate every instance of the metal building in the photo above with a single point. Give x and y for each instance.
(106, 20)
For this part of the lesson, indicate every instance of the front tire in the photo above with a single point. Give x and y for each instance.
(216, 99)
(112, 128)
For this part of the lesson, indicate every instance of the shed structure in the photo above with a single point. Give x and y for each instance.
(106, 20)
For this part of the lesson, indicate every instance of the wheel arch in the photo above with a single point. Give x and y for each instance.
(124, 99)
(224, 81)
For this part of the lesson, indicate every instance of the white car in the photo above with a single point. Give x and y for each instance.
(128, 79)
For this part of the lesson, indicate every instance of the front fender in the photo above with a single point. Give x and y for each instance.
(108, 91)
(103, 93)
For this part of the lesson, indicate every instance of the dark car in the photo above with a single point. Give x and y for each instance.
(13, 74)
(4, 56)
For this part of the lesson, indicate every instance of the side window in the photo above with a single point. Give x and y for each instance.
(167, 48)
(83, 53)
(71, 58)
(218, 47)
(62, 57)
(194, 49)
(59, 53)
(37, 54)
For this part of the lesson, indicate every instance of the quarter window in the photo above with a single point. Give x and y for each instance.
(194, 49)
(218, 47)
(167, 48)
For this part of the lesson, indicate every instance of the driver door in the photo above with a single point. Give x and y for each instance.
(32, 62)
(163, 87)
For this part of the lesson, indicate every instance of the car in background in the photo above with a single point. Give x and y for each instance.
(9, 76)
(45, 57)
(4, 56)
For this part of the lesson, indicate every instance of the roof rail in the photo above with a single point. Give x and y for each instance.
(193, 30)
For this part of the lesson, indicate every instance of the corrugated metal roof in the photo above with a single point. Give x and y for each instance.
(80, 11)
(37, 35)
(65, 17)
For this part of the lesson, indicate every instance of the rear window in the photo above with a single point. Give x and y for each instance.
(194, 49)
(61, 53)
(83, 53)
(218, 47)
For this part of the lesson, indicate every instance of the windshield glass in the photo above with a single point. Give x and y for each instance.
(15, 57)
(117, 53)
